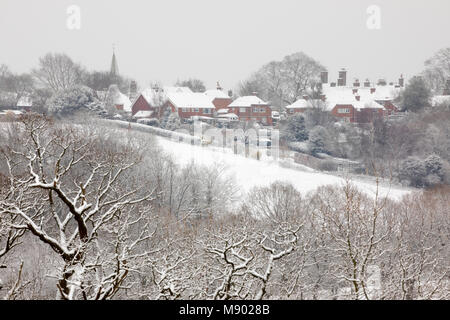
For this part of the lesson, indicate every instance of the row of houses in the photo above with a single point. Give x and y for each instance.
(355, 103)
(214, 105)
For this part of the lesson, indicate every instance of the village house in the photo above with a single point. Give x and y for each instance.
(303, 104)
(191, 105)
(356, 103)
(122, 103)
(220, 99)
(251, 108)
(153, 101)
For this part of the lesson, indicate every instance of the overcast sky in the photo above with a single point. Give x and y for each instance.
(225, 40)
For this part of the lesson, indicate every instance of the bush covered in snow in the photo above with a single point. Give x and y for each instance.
(149, 122)
(422, 173)
(318, 140)
(72, 100)
(295, 130)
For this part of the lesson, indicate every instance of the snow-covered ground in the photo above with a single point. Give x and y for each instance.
(251, 172)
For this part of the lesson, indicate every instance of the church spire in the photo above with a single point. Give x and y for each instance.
(114, 67)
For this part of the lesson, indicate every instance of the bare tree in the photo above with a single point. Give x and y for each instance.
(67, 189)
(437, 70)
(283, 82)
(195, 85)
(354, 231)
(58, 71)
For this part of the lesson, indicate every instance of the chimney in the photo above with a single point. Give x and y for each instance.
(367, 83)
(305, 97)
(324, 77)
(343, 76)
(372, 90)
(358, 98)
(401, 81)
(381, 82)
(133, 90)
(218, 86)
(355, 91)
(333, 84)
(356, 83)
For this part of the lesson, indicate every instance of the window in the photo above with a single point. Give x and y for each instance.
(196, 110)
(343, 110)
(259, 110)
(242, 110)
(206, 111)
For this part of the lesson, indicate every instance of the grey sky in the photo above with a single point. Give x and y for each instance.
(226, 40)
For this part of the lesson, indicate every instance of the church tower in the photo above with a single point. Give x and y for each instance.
(114, 67)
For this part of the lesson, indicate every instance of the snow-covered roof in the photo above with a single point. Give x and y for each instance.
(143, 114)
(439, 100)
(303, 103)
(382, 93)
(247, 101)
(367, 98)
(222, 111)
(215, 93)
(153, 97)
(190, 100)
(228, 115)
(157, 97)
(124, 101)
(15, 112)
(25, 102)
(201, 118)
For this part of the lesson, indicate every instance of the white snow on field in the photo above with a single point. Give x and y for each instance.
(251, 172)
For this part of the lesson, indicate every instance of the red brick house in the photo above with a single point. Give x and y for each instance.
(155, 100)
(191, 104)
(356, 111)
(150, 100)
(301, 105)
(219, 98)
(251, 108)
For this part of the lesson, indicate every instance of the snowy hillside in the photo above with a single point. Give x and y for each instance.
(250, 172)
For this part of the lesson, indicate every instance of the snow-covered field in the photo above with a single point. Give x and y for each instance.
(251, 172)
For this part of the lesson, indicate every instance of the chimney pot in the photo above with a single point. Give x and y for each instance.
(324, 77)
(343, 76)
(401, 81)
